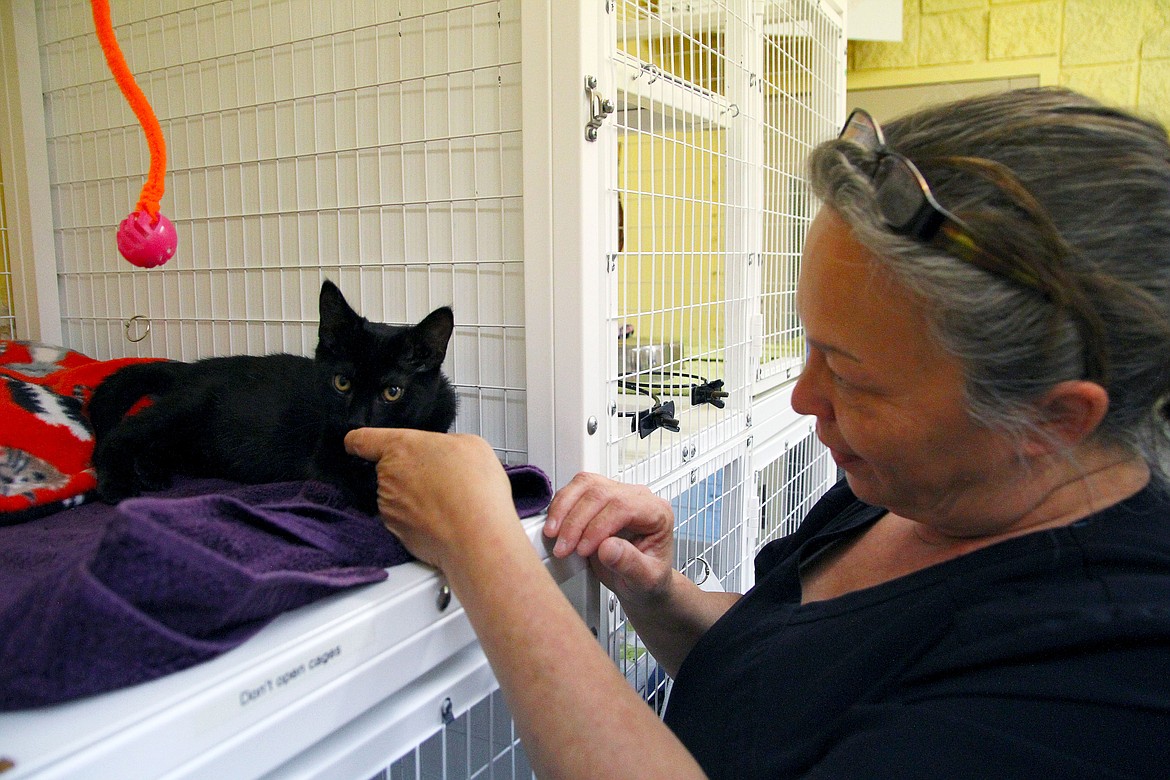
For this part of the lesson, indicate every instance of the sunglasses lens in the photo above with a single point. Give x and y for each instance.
(899, 193)
(860, 129)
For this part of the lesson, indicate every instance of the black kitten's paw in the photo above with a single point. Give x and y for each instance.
(114, 494)
(112, 488)
(148, 479)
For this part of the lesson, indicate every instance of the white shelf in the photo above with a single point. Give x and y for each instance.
(650, 99)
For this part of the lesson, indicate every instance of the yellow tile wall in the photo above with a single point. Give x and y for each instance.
(1115, 50)
(672, 264)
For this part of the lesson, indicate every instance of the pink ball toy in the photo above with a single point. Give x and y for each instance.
(145, 243)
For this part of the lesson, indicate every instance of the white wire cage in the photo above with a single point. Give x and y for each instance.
(803, 91)
(373, 144)
(383, 146)
(790, 475)
(718, 104)
(712, 503)
(725, 510)
(480, 744)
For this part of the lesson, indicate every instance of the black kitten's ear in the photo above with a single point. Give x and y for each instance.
(337, 320)
(431, 336)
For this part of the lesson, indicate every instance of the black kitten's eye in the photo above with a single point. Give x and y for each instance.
(391, 393)
(341, 383)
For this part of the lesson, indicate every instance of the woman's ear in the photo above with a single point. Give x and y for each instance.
(1068, 415)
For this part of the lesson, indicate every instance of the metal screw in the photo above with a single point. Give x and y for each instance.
(590, 82)
(444, 600)
(591, 425)
(612, 408)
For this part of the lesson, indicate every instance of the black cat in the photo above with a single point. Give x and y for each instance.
(277, 417)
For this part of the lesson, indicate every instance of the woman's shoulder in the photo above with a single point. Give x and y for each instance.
(1101, 582)
(1126, 549)
(1143, 519)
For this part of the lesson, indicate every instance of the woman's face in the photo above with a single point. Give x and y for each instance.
(888, 400)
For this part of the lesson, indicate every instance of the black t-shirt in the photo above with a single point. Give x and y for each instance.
(1045, 655)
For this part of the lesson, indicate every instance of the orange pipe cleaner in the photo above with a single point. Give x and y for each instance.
(152, 190)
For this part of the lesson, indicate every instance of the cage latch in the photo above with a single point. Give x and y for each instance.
(599, 108)
(709, 393)
(661, 415)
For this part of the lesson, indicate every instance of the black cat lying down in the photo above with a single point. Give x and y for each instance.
(277, 417)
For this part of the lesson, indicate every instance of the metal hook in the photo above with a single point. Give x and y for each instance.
(130, 323)
(706, 567)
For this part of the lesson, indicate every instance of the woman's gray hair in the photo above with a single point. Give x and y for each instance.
(1065, 186)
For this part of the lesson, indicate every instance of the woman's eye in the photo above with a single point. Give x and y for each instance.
(391, 393)
(341, 383)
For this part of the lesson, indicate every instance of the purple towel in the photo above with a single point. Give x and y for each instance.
(531, 489)
(96, 597)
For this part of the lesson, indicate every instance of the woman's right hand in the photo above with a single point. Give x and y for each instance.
(625, 531)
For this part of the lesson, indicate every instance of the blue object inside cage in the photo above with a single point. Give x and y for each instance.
(699, 511)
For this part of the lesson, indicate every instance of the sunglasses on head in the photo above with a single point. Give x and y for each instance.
(909, 208)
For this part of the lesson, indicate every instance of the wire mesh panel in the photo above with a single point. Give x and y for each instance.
(678, 292)
(7, 313)
(790, 483)
(718, 104)
(803, 93)
(371, 143)
(480, 743)
(711, 503)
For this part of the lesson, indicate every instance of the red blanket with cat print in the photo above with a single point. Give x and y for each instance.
(45, 440)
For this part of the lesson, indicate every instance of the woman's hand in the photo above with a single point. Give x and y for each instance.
(625, 530)
(437, 492)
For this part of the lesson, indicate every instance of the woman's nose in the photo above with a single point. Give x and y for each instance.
(808, 395)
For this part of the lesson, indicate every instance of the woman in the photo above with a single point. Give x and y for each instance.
(986, 296)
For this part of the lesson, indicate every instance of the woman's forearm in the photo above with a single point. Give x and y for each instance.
(577, 715)
(670, 626)
(449, 501)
